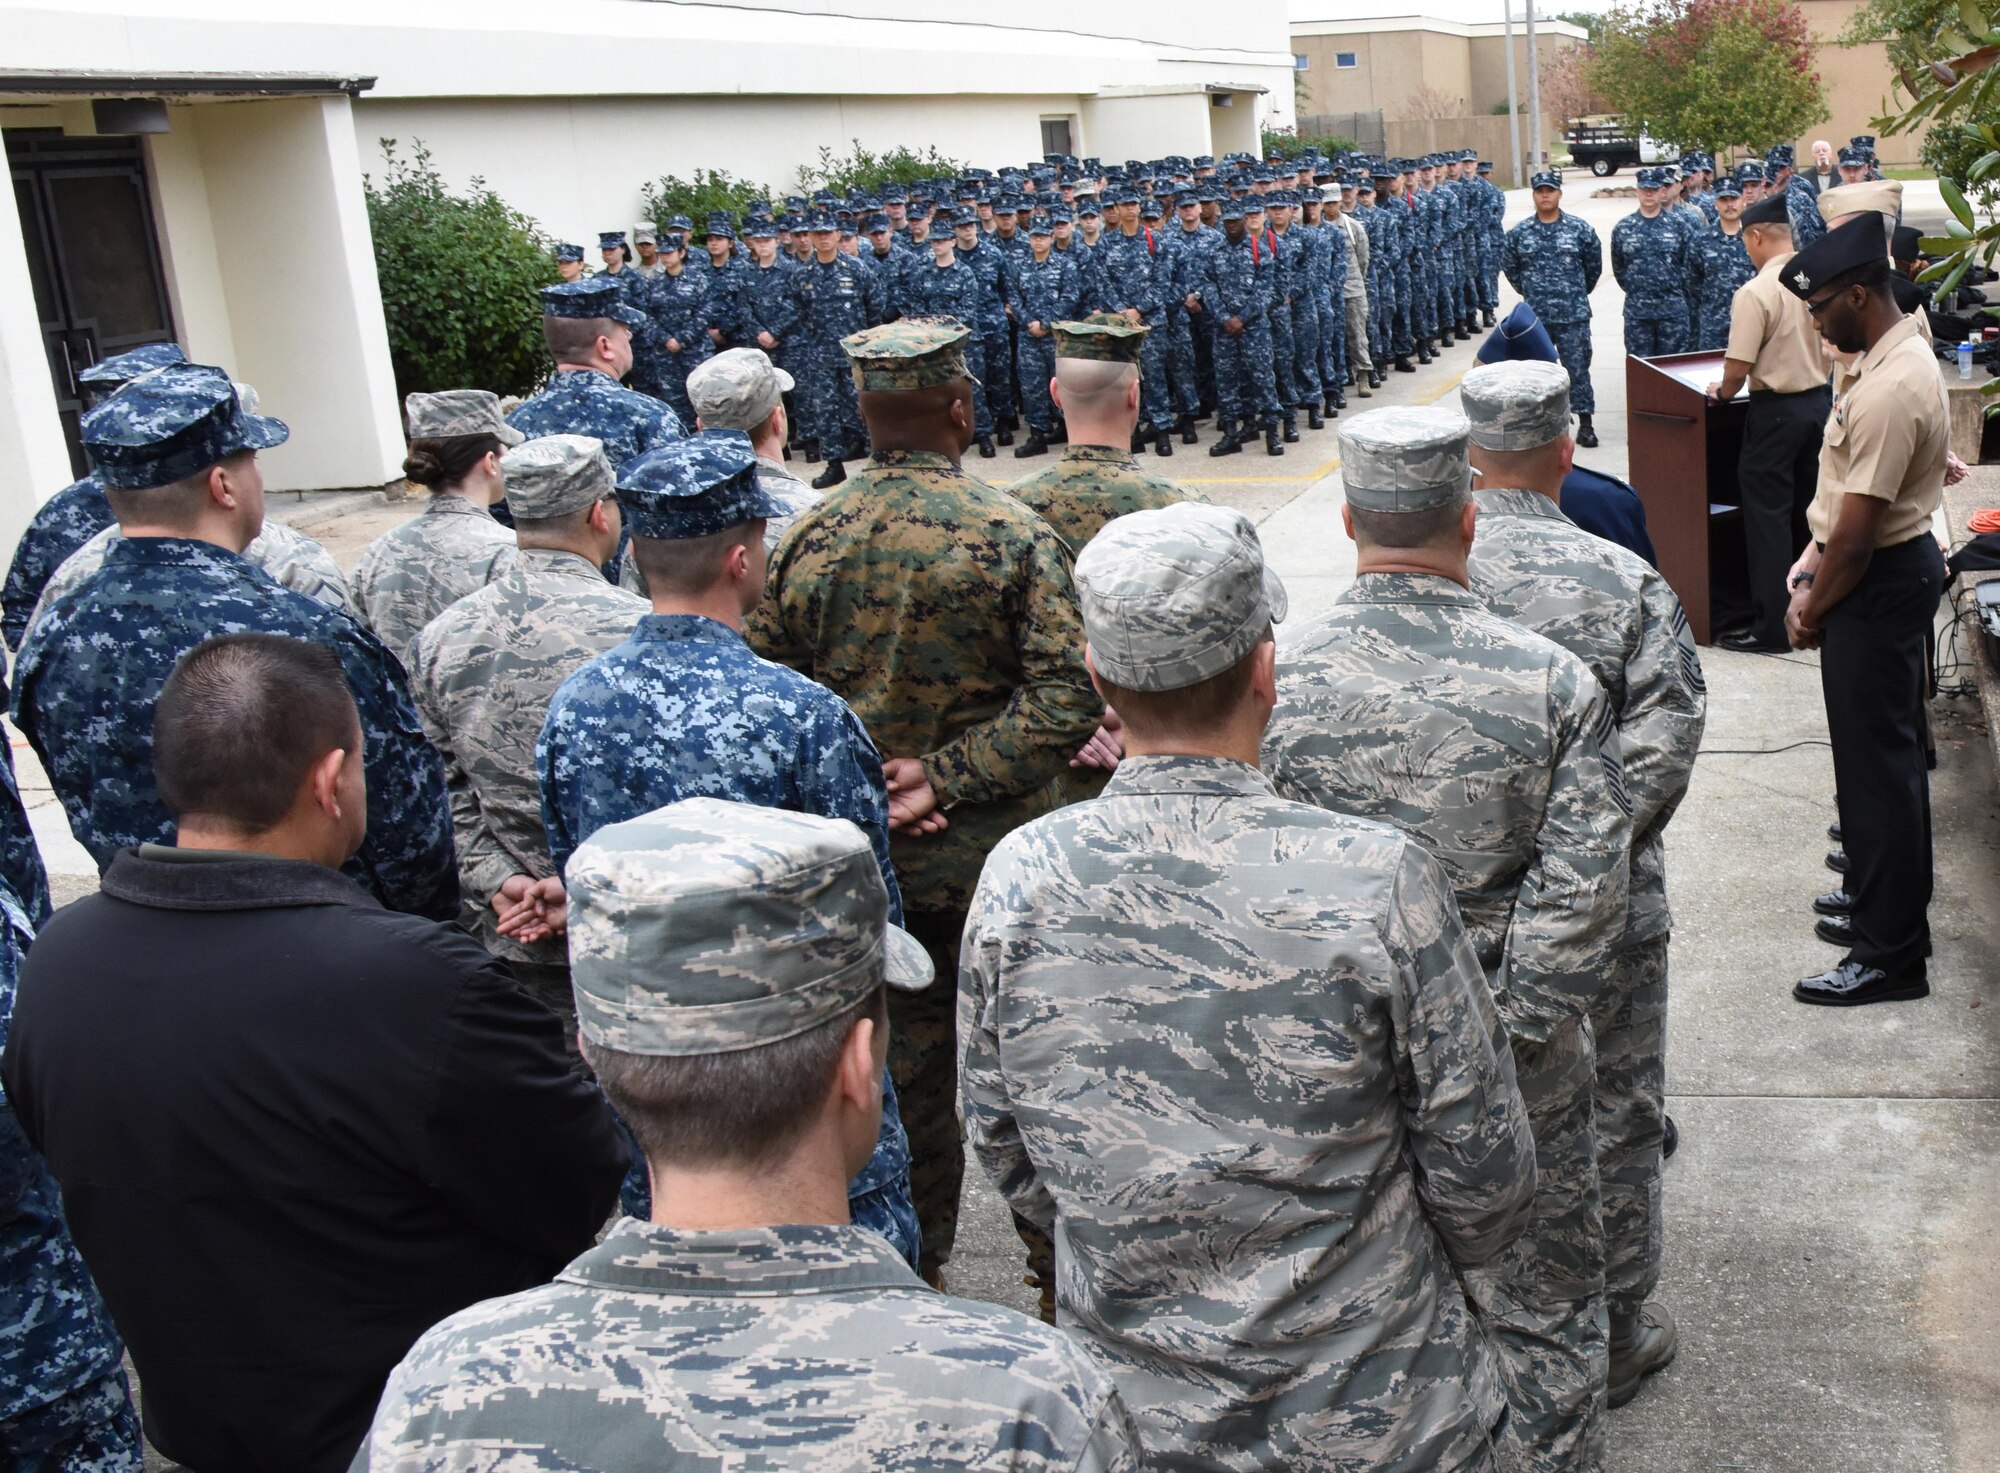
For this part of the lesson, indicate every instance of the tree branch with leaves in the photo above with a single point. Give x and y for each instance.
(1711, 74)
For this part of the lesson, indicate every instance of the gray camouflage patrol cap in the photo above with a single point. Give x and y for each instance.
(458, 412)
(1407, 459)
(1174, 595)
(1516, 405)
(708, 926)
(555, 475)
(170, 424)
(737, 389)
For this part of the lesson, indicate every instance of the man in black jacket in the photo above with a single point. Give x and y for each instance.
(292, 1129)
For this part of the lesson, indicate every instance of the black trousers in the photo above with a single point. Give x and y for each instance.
(1776, 476)
(1874, 676)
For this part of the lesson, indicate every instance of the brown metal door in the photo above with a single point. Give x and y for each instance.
(87, 224)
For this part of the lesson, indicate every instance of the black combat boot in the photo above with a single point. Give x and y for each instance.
(1038, 444)
(1271, 445)
(1291, 429)
(1335, 402)
(1486, 316)
(1231, 442)
(1424, 355)
(1163, 443)
(1403, 364)
(986, 450)
(833, 475)
(1142, 434)
(1006, 435)
(810, 450)
(1188, 436)
(1586, 435)
(1315, 418)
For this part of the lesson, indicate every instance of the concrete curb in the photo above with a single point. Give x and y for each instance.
(306, 508)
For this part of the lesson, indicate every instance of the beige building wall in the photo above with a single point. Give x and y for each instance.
(1458, 65)
(1858, 84)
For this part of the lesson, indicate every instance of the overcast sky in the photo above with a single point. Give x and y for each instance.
(1460, 10)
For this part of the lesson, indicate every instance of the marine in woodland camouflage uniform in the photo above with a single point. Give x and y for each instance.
(1237, 1054)
(65, 1405)
(683, 708)
(79, 511)
(482, 674)
(1091, 484)
(941, 610)
(90, 671)
(412, 573)
(1610, 608)
(1493, 747)
(789, 1344)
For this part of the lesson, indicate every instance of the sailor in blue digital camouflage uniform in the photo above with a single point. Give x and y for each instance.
(988, 260)
(1718, 263)
(1246, 390)
(1129, 285)
(684, 709)
(65, 1406)
(837, 295)
(1649, 260)
(679, 326)
(1801, 199)
(1046, 291)
(175, 450)
(79, 511)
(1554, 260)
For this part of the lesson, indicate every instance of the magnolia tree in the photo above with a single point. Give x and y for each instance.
(1709, 74)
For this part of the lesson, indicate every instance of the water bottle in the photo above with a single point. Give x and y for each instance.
(1965, 360)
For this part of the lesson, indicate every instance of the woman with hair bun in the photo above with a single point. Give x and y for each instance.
(410, 575)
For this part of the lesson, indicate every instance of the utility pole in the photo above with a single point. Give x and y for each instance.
(1513, 95)
(1534, 88)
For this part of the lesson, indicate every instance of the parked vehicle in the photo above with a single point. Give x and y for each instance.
(1606, 145)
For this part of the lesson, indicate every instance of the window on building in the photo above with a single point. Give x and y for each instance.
(1345, 60)
(1301, 63)
(1055, 136)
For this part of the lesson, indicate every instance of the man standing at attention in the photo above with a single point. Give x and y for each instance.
(1554, 259)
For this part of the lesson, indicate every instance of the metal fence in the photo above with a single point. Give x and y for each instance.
(1367, 130)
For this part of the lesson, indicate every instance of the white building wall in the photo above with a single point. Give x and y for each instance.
(34, 461)
(1120, 128)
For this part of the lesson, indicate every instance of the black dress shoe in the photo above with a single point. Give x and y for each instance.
(1836, 930)
(1833, 831)
(1834, 903)
(1853, 985)
(1837, 861)
(1749, 642)
(1670, 1139)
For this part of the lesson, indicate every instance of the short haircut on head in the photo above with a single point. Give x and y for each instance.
(682, 567)
(1193, 710)
(1433, 526)
(742, 1109)
(177, 505)
(241, 721)
(573, 340)
(567, 527)
(1090, 385)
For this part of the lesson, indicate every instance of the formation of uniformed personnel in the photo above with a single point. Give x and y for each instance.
(1773, 348)
(1521, 799)
(1554, 260)
(1611, 609)
(176, 453)
(747, 1320)
(412, 573)
(1154, 982)
(1865, 590)
(1097, 367)
(941, 610)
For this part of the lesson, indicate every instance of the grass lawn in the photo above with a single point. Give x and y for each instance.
(1916, 172)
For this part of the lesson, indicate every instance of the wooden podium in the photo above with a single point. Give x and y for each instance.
(1684, 452)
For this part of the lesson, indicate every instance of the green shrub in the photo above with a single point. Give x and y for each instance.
(1288, 143)
(459, 274)
(865, 170)
(697, 198)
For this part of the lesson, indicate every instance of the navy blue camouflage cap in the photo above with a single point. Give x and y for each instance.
(1404, 459)
(721, 224)
(1041, 225)
(170, 424)
(679, 225)
(1204, 161)
(610, 239)
(1751, 171)
(1854, 158)
(1728, 187)
(121, 368)
(1152, 209)
(1779, 156)
(1175, 595)
(822, 220)
(873, 223)
(1061, 214)
(1485, 166)
(1086, 207)
(1382, 169)
(1232, 209)
(1865, 142)
(594, 296)
(708, 927)
(762, 227)
(568, 252)
(703, 484)
(1547, 179)
(1647, 179)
